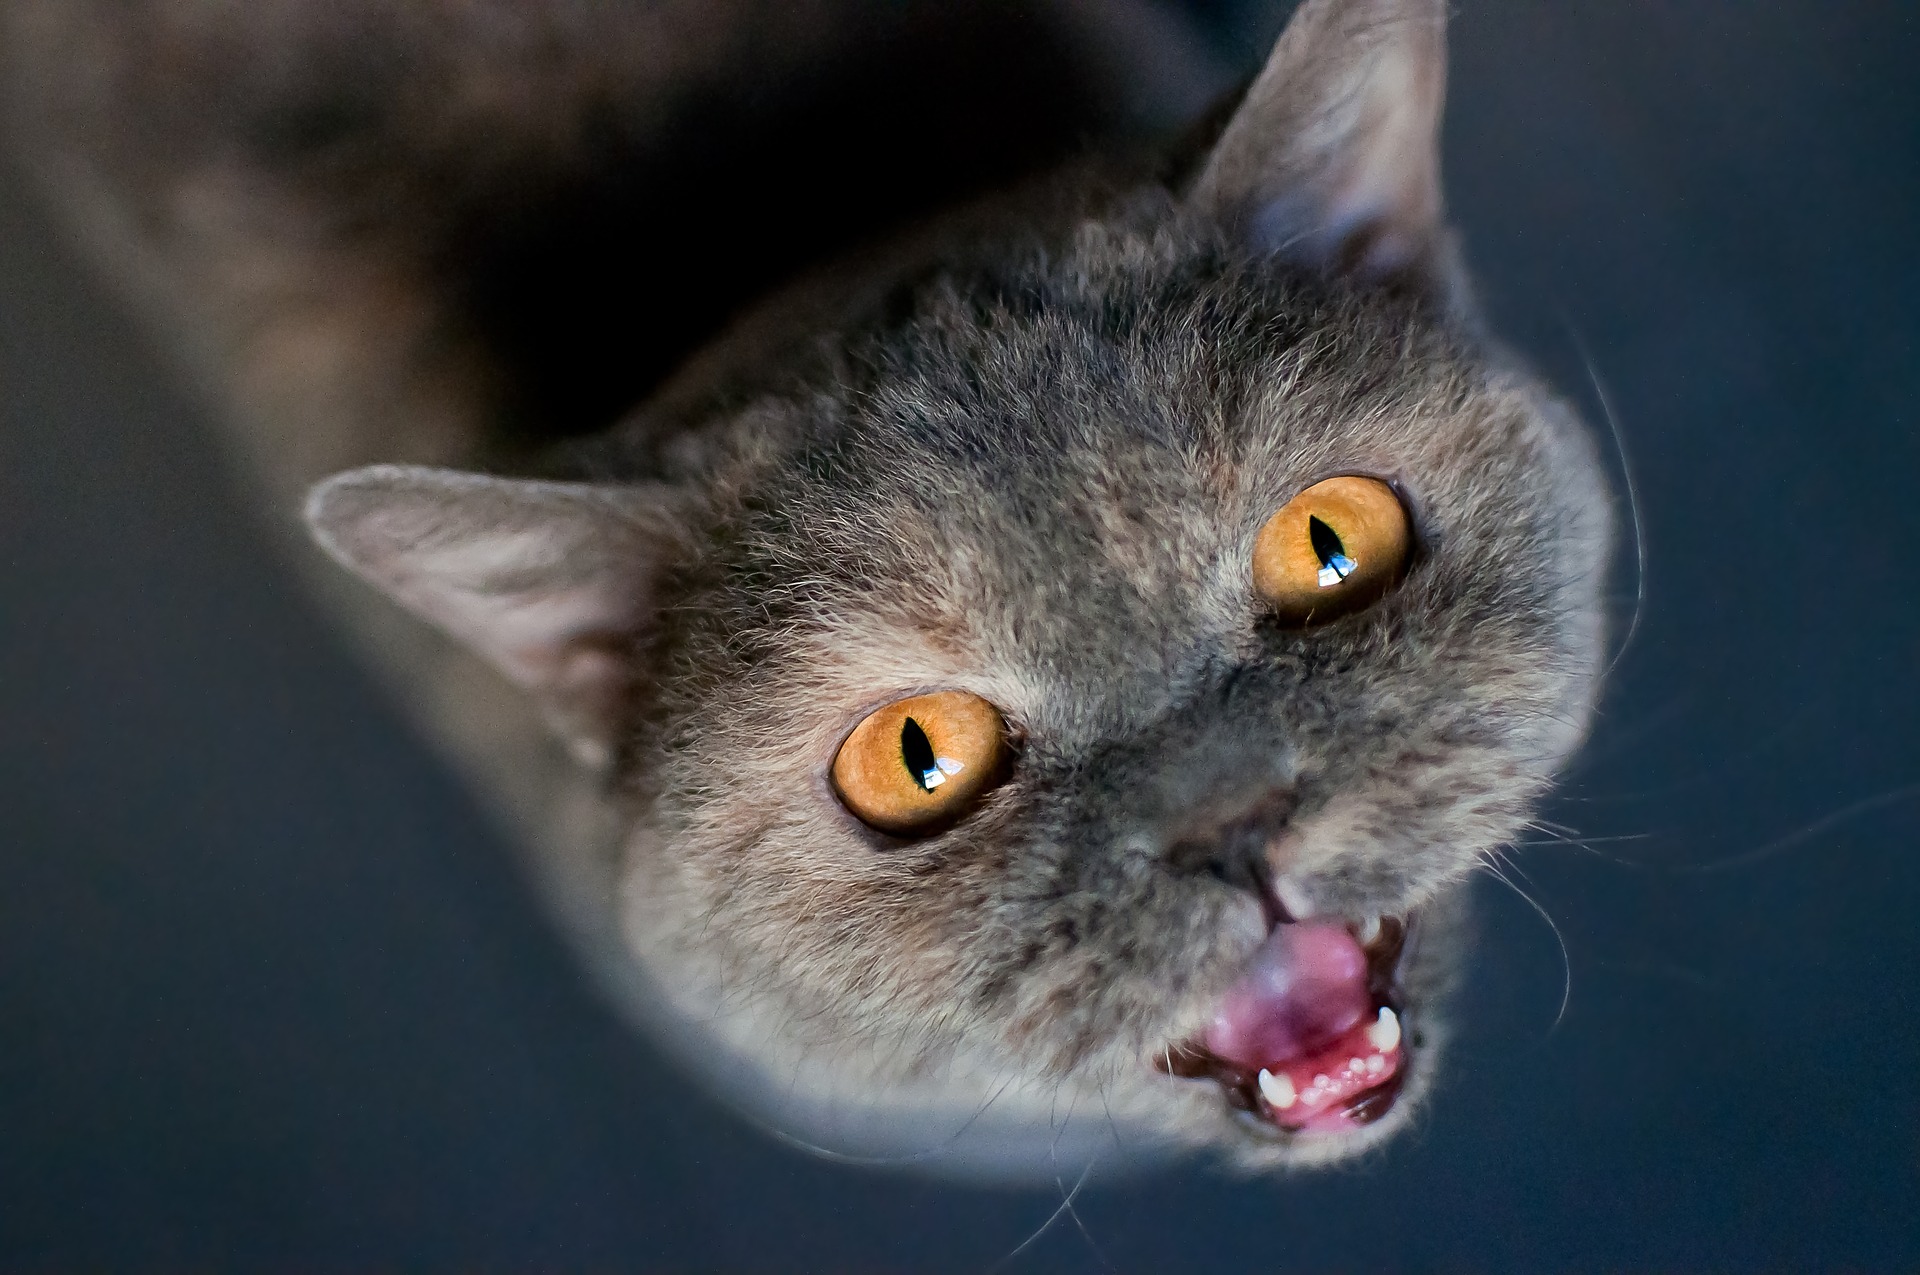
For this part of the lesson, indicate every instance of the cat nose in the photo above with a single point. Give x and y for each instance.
(1209, 787)
(1231, 841)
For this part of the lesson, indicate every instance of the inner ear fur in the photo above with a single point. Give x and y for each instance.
(1332, 160)
(553, 583)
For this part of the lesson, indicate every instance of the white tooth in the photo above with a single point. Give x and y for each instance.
(1384, 1034)
(1292, 898)
(1375, 1064)
(1278, 1090)
(1368, 931)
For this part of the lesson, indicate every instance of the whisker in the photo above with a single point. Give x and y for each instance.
(1633, 494)
(875, 1161)
(1113, 1127)
(1568, 837)
(1791, 727)
(1066, 1207)
(1569, 840)
(1066, 1196)
(1080, 1223)
(1492, 864)
(1865, 805)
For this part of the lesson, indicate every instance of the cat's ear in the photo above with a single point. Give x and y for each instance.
(1332, 159)
(550, 582)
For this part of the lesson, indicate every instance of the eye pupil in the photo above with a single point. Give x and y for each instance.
(917, 752)
(1334, 549)
(1335, 565)
(919, 765)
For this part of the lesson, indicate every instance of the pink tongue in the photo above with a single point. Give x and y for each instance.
(1307, 985)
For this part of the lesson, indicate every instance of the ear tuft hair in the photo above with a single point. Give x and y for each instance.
(1332, 161)
(550, 582)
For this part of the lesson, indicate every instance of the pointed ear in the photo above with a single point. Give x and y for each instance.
(550, 582)
(1332, 160)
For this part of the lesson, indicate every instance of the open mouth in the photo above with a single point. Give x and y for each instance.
(1311, 1038)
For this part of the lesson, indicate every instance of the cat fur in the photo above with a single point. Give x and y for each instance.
(1015, 436)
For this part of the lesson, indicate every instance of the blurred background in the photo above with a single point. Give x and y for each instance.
(273, 993)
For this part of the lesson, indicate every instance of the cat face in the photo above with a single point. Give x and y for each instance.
(1048, 494)
(965, 716)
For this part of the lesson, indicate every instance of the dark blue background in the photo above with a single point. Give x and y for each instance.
(272, 994)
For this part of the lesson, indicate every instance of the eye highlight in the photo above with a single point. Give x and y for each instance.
(1336, 547)
(921, 762)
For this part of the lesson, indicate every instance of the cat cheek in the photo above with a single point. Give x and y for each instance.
(1344, 829)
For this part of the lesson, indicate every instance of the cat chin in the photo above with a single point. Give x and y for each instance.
(886, 1100)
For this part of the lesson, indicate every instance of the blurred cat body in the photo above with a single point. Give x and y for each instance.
(974, 413)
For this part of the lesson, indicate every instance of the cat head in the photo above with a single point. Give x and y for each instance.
(1091, 671)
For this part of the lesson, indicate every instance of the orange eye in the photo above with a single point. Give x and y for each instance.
(921, 762)
(1333, 549)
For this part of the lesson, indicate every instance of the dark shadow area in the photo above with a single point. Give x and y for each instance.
(273, 995)
(593, 294)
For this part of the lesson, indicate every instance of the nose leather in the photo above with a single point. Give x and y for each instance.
(1233, 844)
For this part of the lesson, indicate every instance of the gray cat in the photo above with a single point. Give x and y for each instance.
(1025, 684)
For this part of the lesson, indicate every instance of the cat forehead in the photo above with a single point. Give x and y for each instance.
(1096, 386)
(1054, 449)
(1114, 541)
(1064, 466)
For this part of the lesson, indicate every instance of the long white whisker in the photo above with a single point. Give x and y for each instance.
(1586, 845)
(1566, 961)
(1633, 494)
(1066, 1207)
(1864, 806)
(1079, 1222)
(877, 1161)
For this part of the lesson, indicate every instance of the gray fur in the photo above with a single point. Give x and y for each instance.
(1025, 452)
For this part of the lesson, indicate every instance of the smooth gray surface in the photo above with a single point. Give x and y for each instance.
(271, 994)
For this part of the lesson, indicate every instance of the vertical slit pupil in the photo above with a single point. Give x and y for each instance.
(1335, 565)
(917, 751)
(1326, 542)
